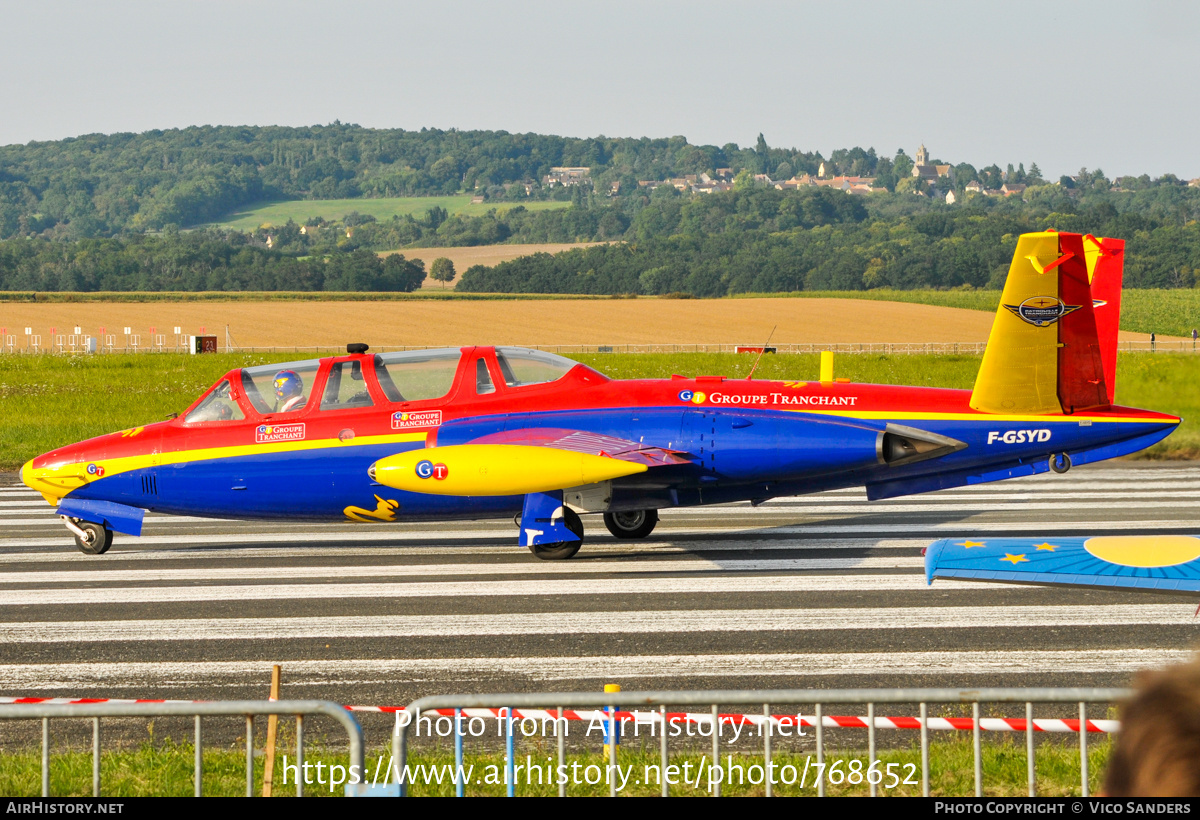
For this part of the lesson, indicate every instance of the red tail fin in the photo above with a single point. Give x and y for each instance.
(1081, 381)
(1105, 263)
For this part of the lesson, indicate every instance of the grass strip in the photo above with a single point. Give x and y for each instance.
(165, 769)
(1143, 310)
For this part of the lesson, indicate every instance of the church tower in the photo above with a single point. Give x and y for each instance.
(922, 156)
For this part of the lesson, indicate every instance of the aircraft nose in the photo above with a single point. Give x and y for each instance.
(53, 482)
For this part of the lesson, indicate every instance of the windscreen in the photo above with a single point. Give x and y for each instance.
(217, 406)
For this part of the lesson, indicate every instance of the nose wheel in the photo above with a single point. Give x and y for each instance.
(562, 550)
(90, 537)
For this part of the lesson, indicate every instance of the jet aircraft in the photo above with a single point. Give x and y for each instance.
(483, 432)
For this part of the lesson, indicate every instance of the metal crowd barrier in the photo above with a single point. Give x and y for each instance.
(878, 348)
(658, 700)
(245, 708)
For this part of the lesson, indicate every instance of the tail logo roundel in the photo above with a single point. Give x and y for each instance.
(1042, 311)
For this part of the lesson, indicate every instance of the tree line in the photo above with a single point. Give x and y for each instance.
(195, 261)
(763, 241)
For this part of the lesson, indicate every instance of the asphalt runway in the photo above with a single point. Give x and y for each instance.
(818, 591)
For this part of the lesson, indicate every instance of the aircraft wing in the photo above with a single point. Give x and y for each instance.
(1154, 563)
(579, 441)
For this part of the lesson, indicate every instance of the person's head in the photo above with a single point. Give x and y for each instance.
(288, 385)
(1158, 748)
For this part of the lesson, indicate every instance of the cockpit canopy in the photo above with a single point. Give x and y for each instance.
(368, 380)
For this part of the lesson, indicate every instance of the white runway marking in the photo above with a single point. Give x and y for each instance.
(649, 548)
(301, 672)
(505, 588)
(399, 570)
(597, 623)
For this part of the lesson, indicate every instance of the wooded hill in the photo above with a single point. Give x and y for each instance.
(76, 215)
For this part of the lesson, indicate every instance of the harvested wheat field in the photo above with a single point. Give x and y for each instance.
(465, 256)
(517, 322)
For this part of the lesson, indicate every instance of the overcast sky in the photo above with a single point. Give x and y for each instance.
(1066, 84)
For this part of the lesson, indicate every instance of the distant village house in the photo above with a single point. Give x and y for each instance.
(568, 175)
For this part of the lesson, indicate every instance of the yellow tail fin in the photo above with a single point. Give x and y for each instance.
(1053, 344)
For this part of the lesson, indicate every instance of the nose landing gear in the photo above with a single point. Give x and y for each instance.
(561, 550)
(90, 537)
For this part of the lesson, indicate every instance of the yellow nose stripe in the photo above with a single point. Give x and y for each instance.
(1144, 550)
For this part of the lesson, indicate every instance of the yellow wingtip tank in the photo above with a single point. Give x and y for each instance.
(1019, 373)
(496, 469)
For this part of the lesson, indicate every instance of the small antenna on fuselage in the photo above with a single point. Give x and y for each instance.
(761, 351)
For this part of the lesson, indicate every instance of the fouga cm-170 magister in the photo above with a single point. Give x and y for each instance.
(483, 432)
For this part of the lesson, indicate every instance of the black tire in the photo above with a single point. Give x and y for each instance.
(1060, 462)
(629, 525)
(99, 541)
(561, 550)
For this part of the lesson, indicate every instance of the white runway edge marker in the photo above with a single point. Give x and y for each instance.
(655, 548)
(346, 672)
(508, 587)
(597, 623)
(681, 564)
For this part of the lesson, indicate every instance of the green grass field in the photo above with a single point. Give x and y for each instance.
(165, 769)
(1166, 312)
(48, 401)
(300, 210)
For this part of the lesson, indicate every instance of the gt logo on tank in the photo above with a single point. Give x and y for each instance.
(1018, 436)
(695, 397)
(96, 470)
(427, 469)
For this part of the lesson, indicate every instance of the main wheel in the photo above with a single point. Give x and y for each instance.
(561, 550)
(1060, 463)
(635, 524)
(99, 538)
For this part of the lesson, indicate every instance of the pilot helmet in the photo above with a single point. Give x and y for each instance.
(287, 384)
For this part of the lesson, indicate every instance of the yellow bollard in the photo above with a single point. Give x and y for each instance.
(826, 366)
(611, 687)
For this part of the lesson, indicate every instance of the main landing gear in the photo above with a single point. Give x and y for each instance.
(561, 550)
(633, 524)
(90, 537)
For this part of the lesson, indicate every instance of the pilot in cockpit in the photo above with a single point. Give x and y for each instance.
(289, 391)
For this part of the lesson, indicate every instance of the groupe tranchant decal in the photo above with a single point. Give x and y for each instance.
(269, 433)
(766, 399)
(402, 420)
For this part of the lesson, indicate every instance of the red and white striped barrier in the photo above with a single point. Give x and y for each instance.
(791, 721)
(649, 718)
